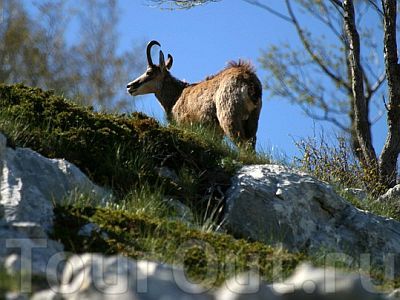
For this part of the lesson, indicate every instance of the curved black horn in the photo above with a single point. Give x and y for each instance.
(169, 62)
(148, 51)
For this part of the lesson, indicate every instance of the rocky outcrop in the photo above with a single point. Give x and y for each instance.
(93, 276)
(391, 199)
(276, 205)
(246, 286)
(309, 283)
(267, 203)
(30, 184)
(392, 195)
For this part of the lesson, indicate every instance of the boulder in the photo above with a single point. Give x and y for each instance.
(391, 199)
(277, 205)
(30, 184)
(309, 283)
(25, 246)
(392, 195)
(94, 276)
(181, 212)
(15, 296)
(394, 295)
(246, 286)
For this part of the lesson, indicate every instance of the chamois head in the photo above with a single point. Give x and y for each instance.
(151, 80)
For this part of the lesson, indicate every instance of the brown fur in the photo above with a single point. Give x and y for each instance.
(244, 65)
(230, 99)
(218, 102)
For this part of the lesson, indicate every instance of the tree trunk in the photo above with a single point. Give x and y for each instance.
(391, 149)
(355, 145)
(362, 126)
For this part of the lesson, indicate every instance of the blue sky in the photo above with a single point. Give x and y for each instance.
(203, 39)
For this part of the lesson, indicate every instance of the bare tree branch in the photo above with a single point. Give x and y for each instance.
(337, 79)
(179, 4)
(269, 9)
(328, 22)
(377, 8)
(372, 89)
(354, 75)
(337, 3)
(325, 117)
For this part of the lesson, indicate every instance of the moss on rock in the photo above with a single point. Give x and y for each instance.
(208, 258)
(119, 151)
(126, 153)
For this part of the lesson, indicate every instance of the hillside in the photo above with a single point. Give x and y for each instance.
(169, 187)
(134, 156)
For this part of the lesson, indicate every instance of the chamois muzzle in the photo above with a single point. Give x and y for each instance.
(132, 87)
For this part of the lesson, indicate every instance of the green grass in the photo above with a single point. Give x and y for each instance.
(123, 152)
(126, 153)
(118, 151)
(385, 209)
(8, 283)
(131, 155)
(213, 139)
(16, 283)
(336, 164)
(145, 200)
(207, 257)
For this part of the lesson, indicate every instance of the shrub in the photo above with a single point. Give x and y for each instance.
(335, 163)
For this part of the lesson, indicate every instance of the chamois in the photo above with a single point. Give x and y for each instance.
(230, 99)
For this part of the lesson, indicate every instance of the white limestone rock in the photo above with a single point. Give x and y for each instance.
(246, 286)
(30, 184)
(94, 276)
(277, 205)
(309, 283)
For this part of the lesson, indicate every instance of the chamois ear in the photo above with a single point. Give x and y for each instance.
(162, 61)
(169, 62)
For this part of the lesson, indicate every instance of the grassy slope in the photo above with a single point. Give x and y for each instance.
(114, 150)
(209, 258)
(125, 153)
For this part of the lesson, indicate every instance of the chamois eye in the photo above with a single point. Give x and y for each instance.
(149, 73)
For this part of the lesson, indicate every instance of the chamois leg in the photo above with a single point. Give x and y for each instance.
(229, 116)
(234, 130)
(250, 127)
